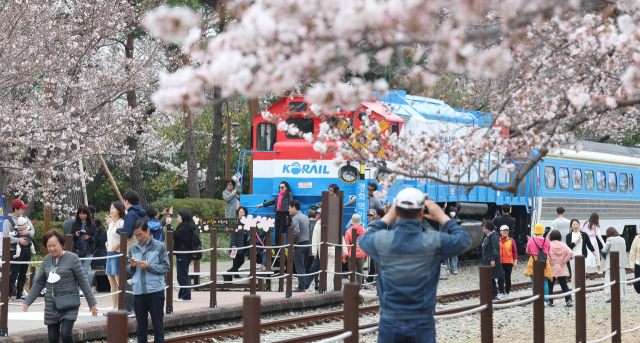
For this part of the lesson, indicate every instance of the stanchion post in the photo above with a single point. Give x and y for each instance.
(252, 261)
(486, 298)
(351, 315)
(32, 275)
(213, 268)
(290, 264)
(337, 278)
(122, 274)
(352, 265)
(68, 242)
(251, 319)
(4, 287)
(616, 323)
(324, 261)
(169, 292)
(581, 299)
(269, 253)
(283, 256)
(538, 305)
(116, 326)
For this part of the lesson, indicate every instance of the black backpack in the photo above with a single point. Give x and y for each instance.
(541, 254)
(195, 244)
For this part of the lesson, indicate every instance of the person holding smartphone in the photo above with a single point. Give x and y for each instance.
(84, 237)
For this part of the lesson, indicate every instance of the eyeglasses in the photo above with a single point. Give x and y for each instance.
(282, 187)
(370, 189)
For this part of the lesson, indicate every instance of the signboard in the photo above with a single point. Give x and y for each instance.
(362, 201)
(222, 225)
(305, 185)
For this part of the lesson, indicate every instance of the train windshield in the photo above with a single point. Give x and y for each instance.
(266, 136)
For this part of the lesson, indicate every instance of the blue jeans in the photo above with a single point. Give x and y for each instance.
(546, 287)
(407, 331)
(85, 265)
(452, 264)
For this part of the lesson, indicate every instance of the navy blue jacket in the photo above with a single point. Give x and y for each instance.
(409, 261)
(134, 213)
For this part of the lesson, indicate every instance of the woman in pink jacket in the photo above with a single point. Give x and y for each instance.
(559, 255)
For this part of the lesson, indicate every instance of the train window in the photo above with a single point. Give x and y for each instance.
(563, 177)
(297, 106)
(577, 178)
(631, 182)
(395, 129)
(550, 177)
(601, 180)
(613, 182)
(588, 180)
(303, 124)
(266, 136)
(624, 182)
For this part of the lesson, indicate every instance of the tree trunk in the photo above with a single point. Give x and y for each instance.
(214, 148)
(192, 160)
(135, 172)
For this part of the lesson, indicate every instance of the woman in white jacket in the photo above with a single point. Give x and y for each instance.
(331, 252)
(115, 219)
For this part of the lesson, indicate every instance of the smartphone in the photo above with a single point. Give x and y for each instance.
(166, 210)
(82, 232)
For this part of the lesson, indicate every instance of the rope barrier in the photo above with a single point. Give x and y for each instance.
(235, 281)
(516, 303)
(343, 273)
(369, 330)
(25, 262)
(557, 296)
(474, 310)
(367, 275)
(99, 258)
(274, 246)
(192, 251)
(336, 338)
(631, 330)
(299, 275)
(630, 281)
(600, 287)
(229, 249)
(306, 245)
(106, 295)
(339, 245)
(370, 283)
(272, 277)
(194, 286)
(604, 338)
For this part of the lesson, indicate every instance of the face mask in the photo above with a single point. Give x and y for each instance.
(53, 276)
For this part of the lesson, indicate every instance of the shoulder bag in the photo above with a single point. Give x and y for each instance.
(64, 302)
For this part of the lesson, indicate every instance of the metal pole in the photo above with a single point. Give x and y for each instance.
(4, 287)
(213, 268)
(324, 260)
(337, 278)
(68, 242)
(169, 292)
(351, 315)
(538, 305)
(113, 183)
(486, 297)
(290, 264)
(117, 325)
(581, 300)
(269, 253)
(122, 276)
(352, 265)
(251, 319)
(283, 239)
(614, 269)
(252, 261)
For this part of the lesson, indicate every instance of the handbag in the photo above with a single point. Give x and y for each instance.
(64, 302)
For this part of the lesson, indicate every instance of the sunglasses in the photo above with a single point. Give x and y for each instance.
(281, 187)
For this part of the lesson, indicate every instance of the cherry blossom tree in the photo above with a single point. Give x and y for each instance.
(563, 65)
(64, 81)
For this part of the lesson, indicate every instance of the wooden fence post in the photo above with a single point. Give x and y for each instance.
(283, 256)
(122, 273)
(4, 287)
(68, 242)
(351, 300)
(581, 301)
(169, 292)
(337, 278)
(117, 325)
(352, 265)
(269, 253)
(486, 297)
(538, 305)
(616, 323)
(252, 261)
(213, 268)
(324, 260)
(251, 319)
(290, 267)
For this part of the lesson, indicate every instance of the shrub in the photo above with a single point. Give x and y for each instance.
(203, 208)
(37, 237)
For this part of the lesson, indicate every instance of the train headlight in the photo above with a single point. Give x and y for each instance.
(348, 174)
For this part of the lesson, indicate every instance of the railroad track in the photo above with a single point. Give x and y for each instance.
(333, 316)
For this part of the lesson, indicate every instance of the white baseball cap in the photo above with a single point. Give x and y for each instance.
(410, 199)
(504, 227)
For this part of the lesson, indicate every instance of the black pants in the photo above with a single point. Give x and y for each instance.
(299, 257)
(61, 330)
(508, 268)
(494, 289)
(636, 273)
(183, 278)
(315, 266)
(308, 263)
(238, 261)
(150, 304)
(128, 299)
(280, 226)
(562, 280)
(19, 271)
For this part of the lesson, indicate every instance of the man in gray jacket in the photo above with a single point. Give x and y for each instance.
(300, 224)
(18, 271)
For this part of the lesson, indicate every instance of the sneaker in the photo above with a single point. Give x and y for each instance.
(132, 314)
(608, 300)
(111, 310)
(505, 296)
(181, 300)
(455, 272)
(496, 298)
(262, 269)
(546, 305)
(569, 303)
(551, 305)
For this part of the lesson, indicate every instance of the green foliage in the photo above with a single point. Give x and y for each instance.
(37, 237)
(203, 208)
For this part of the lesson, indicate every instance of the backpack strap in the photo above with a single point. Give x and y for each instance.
(13, 224)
